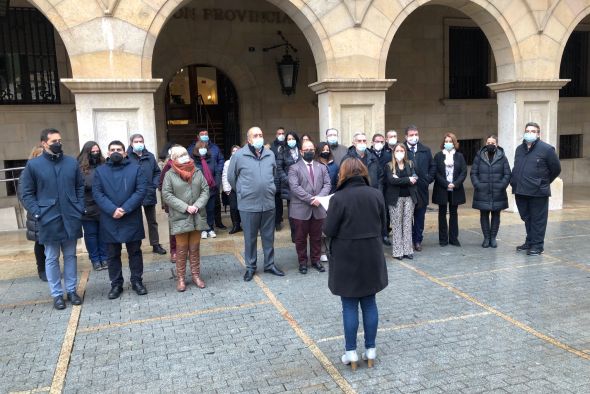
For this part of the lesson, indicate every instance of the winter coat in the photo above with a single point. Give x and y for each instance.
(534, 169)
(372, 163)
(92, 210)
(284, 161)
(151, 172)
(490, 178)
(32, 228)
(252, 178)
(395, 183)
(425, 169)
(440, 194)
(52, 190)
(214, 152)
(178, 195)
(333, 169)
(383, 156)
(356, 218)
(212, 167)
(120, 186)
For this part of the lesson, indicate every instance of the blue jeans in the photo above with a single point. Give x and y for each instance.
(350, 316)
(211, 211)
(53, 271)
(94, 245)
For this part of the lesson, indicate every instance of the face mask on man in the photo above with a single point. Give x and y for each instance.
(361, 147)
(56, 148)
(449, 146)
(308, 156)
(281, 138)
(183, 159)
(292, 143)
(413, 140)
(204, 138)
(332, 140)
(258, 143)
(530, 137)
(116, 157)
(378, 146)
(392, 141)
(138, 147)
(202, 151)
(399, 156)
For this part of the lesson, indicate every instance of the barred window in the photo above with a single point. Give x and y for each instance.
(11, 173)
(574, 65)
(28, 64)
(469, 63)
(570, 146)
(469, 149)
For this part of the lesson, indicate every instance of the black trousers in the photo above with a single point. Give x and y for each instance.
(278, 209)
(40, 257)
(448, 233)
(115, 266)
(150, 216)
(534, 211)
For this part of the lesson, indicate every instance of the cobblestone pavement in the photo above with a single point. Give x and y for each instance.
(452, 320)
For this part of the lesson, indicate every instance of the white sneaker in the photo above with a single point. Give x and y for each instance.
(324, 258)
(350, 357)
(369, 356)
(212, 234)
(203, 234)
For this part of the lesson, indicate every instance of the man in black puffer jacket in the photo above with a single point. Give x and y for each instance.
(536, 165)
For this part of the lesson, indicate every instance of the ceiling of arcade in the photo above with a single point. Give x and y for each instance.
(348, 38)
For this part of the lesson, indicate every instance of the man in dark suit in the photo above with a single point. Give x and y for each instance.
(308, 179)
(536, 165)
(421, 155)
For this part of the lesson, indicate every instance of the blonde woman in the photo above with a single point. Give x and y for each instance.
(185, 192)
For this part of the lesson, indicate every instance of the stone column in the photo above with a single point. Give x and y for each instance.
(110, 109)
(351, 105)
(525, 101)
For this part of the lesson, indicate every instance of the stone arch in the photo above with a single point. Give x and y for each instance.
(56, 19)
(303, 16)
(483, 12)
(582, 13)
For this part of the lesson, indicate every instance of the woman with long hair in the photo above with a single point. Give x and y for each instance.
(325, 156)
(89, 159)
(357, 270)
(285, 159)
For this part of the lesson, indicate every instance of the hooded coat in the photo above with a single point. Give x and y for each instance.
(490, 178)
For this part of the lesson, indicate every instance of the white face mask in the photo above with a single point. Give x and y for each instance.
(413, 140)
(399, 156)
(202, 151)
(183, 159)
(392, 141)
(378, 146)
(281, 138)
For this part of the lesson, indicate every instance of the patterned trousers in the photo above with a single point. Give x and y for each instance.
(401, 226)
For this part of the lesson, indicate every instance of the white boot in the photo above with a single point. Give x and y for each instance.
(350, 357)
(369, 356)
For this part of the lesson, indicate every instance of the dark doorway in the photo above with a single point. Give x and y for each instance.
(201, 96)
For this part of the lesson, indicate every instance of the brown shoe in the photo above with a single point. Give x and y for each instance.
(195, 261)
(180, 269)
(418, 247)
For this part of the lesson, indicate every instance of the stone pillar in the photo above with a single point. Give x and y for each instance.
(110, 109)
(525, 101)
(351, 105)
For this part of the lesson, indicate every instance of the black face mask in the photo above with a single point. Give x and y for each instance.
(94, 158)
(491, 148)
(308, 156)
(56, 148)
(116, 157)
(325, 155)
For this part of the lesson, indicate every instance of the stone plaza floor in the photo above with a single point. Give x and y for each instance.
(452, 320)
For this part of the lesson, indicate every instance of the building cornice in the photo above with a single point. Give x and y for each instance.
(352, 85)
(112, 85)
(536, 84)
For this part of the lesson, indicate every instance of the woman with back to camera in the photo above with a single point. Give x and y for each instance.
(451, 171)
(490, 176)
(357, 271)
(89, 158)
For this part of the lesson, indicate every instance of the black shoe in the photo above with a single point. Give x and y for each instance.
(302, 269)
(455, 243)
(418, 247)
(58, 303)
(398, 258)
(443, 243)
(139, 288)
(74, 298)
(221, 226)
(235, 229)
(534, 252)
(386, 241)
(318, 266)
(485, 243)
(493, 243)
(523, 247)
(409, 256)
(43, 276)
(274, 270)
(248, 275)
(96, 266)
(158, 249)
(115, 292)
(278, 226)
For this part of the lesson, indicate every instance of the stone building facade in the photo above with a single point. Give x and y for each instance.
(368, 65)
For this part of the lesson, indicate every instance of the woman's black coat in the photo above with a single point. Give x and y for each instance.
(356, 218)
(490, 178)
(284, 161)
(394, 185)
(440, 193)
(92, 210)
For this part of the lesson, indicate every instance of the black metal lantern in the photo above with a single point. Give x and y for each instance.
(288, 67)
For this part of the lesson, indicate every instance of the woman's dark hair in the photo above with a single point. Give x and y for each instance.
(308, 137)
(492, 136)
(351, 167)
(84, 156)
(198, 145)
(164, 151)
(295, 136)
(320, 149)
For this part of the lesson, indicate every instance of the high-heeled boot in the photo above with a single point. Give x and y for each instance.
(181, 269)
(195, 262)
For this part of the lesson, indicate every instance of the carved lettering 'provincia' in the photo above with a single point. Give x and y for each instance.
(220, 14)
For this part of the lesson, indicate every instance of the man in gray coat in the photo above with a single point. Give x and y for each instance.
(251, 174)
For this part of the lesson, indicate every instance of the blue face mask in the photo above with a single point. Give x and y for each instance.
(138, 147)
(530, 137)
(332, 140)
(258, 143)
(449, 146)
(292, 143)
(204, 138)
(361, 147)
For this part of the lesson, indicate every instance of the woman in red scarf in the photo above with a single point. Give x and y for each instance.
(185, 192)
(206, 163)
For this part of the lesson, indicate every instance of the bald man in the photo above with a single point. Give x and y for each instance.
(251, 174)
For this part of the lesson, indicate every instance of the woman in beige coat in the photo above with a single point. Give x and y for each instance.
(186, 193)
